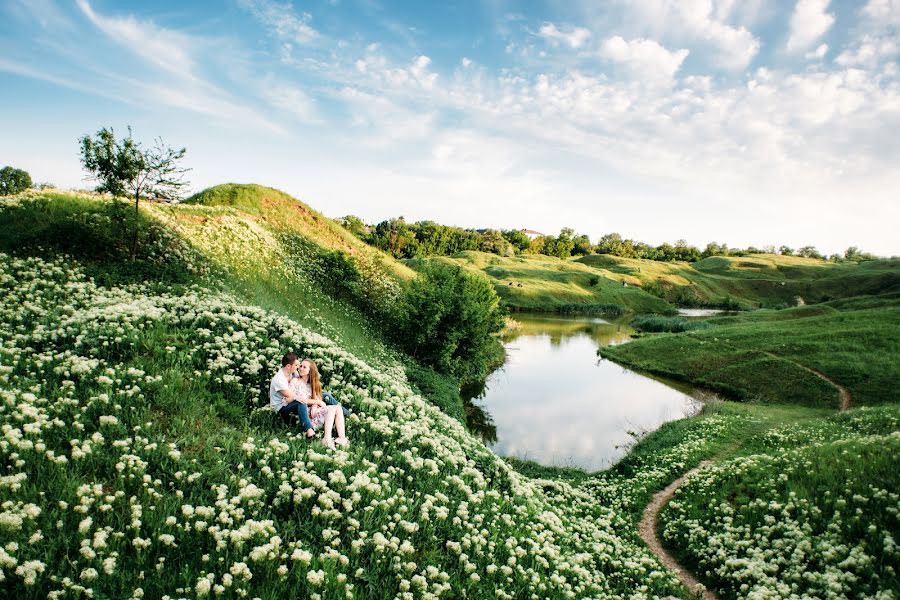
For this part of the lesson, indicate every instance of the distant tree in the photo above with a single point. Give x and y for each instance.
(123, 168)
(355, 225)
(666, 252)
(809, 252)
(714, 249)
(583, 245)
(493, 241)
(611, 243)
(852, 253)
(786, 251)
(518, 239)
(13, 181)
(396, 237)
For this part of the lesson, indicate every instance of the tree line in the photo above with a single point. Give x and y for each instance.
(427, 238)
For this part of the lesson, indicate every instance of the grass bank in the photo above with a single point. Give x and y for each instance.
(757, 355)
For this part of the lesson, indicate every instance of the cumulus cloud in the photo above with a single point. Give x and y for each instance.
(869, 51)
(819, 53)
(886, 12)
(699, 21)
(809, 22)
(643, 58)
(879, 42)
(574, 37)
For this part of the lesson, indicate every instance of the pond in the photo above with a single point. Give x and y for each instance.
(554, 401)
(703, 312)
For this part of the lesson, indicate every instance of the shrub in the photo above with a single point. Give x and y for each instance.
(13, 181)
(450, 320)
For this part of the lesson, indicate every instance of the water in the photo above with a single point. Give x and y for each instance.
(703, 312)
(556, 402)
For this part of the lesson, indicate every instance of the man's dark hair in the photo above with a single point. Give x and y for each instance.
(288, 359)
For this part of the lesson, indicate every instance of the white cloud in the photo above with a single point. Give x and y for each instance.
(574, 37)
(386, 121)
(163, 48)
(282, 20)
(886, 12)
(290, 99)
(818, 53)
(701, 21)
(644, 58)
(869, 52)
(808, 23)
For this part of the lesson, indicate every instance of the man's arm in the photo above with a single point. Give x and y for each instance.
(287, 396)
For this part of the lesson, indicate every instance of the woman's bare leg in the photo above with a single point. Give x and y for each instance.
(339, 424)
(329, 422)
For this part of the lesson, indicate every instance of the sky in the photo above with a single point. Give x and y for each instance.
(746, 122)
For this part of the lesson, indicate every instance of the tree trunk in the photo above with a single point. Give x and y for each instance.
(134, 238)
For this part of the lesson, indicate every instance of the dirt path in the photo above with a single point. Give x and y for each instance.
(647, 531)
(846, 400)
(647, 526)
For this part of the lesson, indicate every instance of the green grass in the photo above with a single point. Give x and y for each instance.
(660, 324)
(763, 280)
(814, 514)
(756, 355)
(543, 283)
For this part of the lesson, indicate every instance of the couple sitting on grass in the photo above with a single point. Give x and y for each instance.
(296, 390)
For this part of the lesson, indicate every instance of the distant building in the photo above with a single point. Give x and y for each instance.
(531, 233)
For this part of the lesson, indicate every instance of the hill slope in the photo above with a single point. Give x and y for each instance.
(764, 280)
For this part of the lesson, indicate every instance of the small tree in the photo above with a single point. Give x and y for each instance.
(123, 168)
(13, 181)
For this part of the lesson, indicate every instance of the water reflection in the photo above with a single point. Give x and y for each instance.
(555, 403)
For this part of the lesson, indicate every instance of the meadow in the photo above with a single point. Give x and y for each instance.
(763, 354)
(599, 282)
(139, 459)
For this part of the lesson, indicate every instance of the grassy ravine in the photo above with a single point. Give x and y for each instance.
(755, 281)
(543, 283)
(756, 355)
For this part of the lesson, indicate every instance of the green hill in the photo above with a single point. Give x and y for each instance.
(763, 280)
(544, 283)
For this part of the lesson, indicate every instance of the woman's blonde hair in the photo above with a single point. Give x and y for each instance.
(315, 383)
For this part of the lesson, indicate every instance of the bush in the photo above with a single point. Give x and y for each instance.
(13, 181)
(449, 322)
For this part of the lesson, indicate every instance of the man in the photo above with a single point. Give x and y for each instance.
(282, 400)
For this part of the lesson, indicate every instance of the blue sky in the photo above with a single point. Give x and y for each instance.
(746, 122)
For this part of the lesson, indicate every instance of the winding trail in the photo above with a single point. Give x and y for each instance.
(846, 399)
(649, 520)
(647, 531)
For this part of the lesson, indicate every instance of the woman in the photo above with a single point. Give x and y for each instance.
(307, 387)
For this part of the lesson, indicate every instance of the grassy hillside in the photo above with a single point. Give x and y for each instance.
(763, 280)
(538, 282)
(259, 244)
(137, 458)
(129, 425)
(758, 355)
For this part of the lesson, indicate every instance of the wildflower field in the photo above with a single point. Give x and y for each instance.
(138, 457)
(136, 464)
